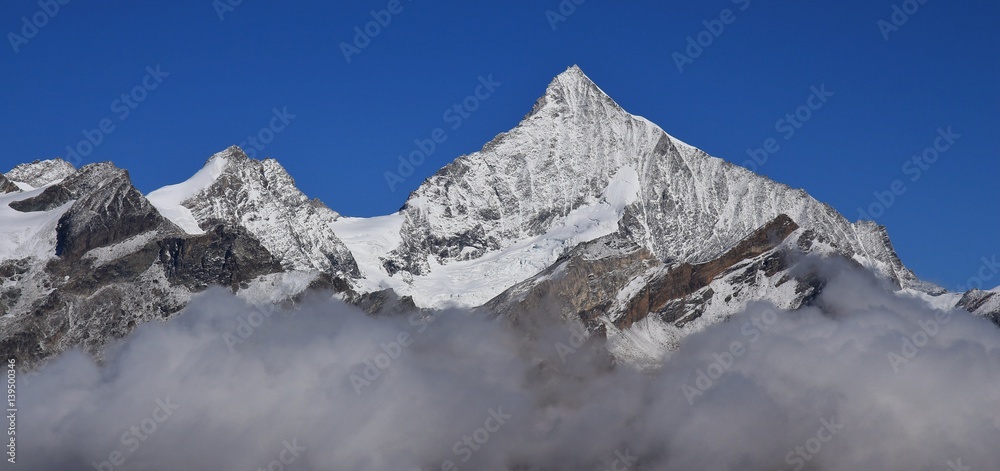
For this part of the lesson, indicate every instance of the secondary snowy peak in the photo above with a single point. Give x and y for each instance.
(40, 172)
(260, 196)
(562, 157)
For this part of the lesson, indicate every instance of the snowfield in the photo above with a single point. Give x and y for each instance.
(168, 200)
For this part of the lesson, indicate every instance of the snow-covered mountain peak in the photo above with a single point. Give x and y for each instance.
(169, 199)
(261, 197)
(40, 173)
(570, 92)
(575, 149)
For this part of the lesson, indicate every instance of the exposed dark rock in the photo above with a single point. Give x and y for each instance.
(684, 279)
(385, 303)
(982, 303)
(108, 209)
(108, 300)
(49, 199)
(7, 186)
(223, 256)
(580, 284)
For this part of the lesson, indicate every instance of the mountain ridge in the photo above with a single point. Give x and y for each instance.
(579, 175)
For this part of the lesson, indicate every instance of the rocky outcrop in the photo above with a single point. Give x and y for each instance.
(94, 299)
(684, 279)
(614, 281)
(7, 186)
(581, 285)
(49, 199)
(224, 256)
(108, 209)
(982, 303)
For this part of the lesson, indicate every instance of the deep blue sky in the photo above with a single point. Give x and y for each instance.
(353, 119)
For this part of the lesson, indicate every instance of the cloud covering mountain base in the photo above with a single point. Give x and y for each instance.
(865, 379)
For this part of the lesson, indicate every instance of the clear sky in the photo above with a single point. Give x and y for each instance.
(224, 69)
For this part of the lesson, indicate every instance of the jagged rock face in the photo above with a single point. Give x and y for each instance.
(49, 199)
(102, 296)
(41, 172)
(616, 288)
(689, 206)
(224, 256)
(684, 279)
(780, 276)
(7, 186)
(982, 303)
(261, 197)
(108, 209)
(581, 285)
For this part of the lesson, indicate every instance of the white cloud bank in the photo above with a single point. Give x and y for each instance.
(834, 387)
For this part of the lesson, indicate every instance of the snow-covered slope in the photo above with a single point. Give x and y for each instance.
(28, 234)
(473, 281)
(168, 199)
